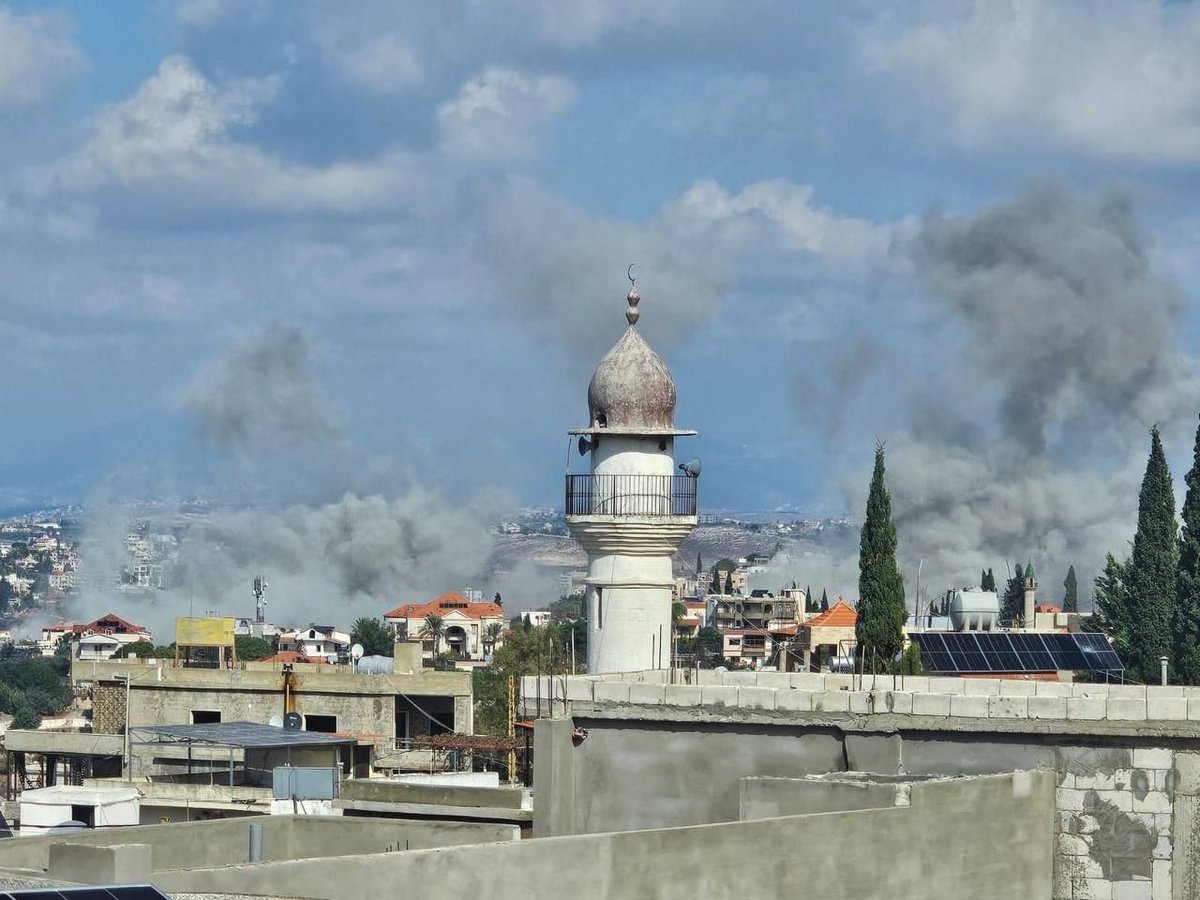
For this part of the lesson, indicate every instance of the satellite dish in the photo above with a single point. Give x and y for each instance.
(293, 722)
(276, 721)
(585, 444)
(356, 652)
(691, 467)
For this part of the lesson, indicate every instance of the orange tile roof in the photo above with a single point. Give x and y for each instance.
(291, 656)
(840, 615)
(688, 620)
(451, 601)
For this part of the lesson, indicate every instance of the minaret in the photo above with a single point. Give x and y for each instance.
(633, 509)
(1030, 590)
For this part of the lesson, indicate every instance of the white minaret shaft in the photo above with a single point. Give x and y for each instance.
(632, 509)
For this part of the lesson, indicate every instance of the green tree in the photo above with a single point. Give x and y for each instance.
(375, 637)
(26, 718)
(434, 627)
(810, 603)
(824, 600)
(715, 587)
(536, 651)
(1186, 620)
(709, 647)
(1151, 572)
(991, 580)
(1012, 604)
(1110, 599)
(728, 582)
(678, 611)
(1070, 592)
(881, 608)
(491, 636)
(250, 648)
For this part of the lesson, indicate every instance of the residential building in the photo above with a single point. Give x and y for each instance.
(117, 631)
(465, 624)
(316, 640)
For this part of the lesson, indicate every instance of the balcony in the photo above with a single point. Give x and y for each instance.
(631, 495)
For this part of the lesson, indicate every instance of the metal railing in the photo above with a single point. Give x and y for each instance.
(631, 495)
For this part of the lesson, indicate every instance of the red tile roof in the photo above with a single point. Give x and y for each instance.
(840, 615)
(116, 623)
(447, 603)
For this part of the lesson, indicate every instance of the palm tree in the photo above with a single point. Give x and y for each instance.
(491, 635)
(435, 627)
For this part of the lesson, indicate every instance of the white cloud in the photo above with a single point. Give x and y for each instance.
(502, 114)
(781, 213)
(178, 136)
(38, 58)
(384, 64)
(1119, 78)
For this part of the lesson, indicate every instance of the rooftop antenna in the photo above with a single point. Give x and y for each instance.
(260, 605)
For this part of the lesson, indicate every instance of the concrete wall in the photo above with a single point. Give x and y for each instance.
(1124, 803)
(960, 855)
(226, 842)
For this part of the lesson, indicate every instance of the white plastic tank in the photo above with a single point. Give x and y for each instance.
(972, 609)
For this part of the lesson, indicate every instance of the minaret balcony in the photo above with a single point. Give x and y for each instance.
(631, 496)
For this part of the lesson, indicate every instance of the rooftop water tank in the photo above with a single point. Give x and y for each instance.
(972, 609)
(375, 665)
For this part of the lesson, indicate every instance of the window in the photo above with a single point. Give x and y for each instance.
(599, 608)
(84, 814)
(206, 716)
(325, 724)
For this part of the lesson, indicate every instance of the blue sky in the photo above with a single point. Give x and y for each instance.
(442, 199)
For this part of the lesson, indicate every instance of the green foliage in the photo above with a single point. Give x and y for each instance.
(1151, 572)
(1111, 600)
(678, 611)
(37, 685)
(26, 718)
(544, 650)
(250, 648)
(824, 600)
(910, 661)
(810, 603)
(147, 650)
(434, 627)
(1186, 619)
(715, 587)
(375, 637)
(881, 608)
(728, 582)
(1070, 592)
(1012, 603)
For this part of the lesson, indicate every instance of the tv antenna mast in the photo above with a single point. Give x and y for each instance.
(260, 605)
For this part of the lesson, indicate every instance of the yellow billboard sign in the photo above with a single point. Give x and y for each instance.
(196, 632)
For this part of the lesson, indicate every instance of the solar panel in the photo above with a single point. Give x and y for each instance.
(110, 892)
(1014, 651)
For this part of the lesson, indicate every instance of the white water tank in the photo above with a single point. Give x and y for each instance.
(973, 609)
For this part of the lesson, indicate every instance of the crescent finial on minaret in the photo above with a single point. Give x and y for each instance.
(633, 297)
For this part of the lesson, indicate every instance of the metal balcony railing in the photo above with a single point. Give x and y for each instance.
(631, 495)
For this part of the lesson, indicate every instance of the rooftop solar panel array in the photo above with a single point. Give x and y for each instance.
(113, 892)
(1001, 651)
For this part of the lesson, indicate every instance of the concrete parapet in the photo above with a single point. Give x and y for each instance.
(740, 678)
(611, 692)
(939, 684)
(1086, 708)
(901, 702)
(1084, 689)
(1126, 708)
(647, 694)
(808, 681)
(861, 702)
(682, 695)
(913, 684)
(756, 697)
(831, 701)
(969, 706)
(580, 689)
(114, 864)
(1166, 707)
(1008, 707)
(718, 694)
(1012, 688)
(797, 701)
(988, 687)
(1047, 707)
(931, 704)
(773, 680)
(1052, 689)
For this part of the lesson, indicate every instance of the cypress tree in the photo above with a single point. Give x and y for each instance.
(1071, 595)
(699, 566)
(983, 579)
(1012, 604)
(716, 581)
(728, 582)
(881, 608)
(824, 600)
(809, 603)
(991, 580)
(1151, 573)
(1186, 622)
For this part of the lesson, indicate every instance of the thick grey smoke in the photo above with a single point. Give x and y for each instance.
(1044, 349)
(329, 561)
